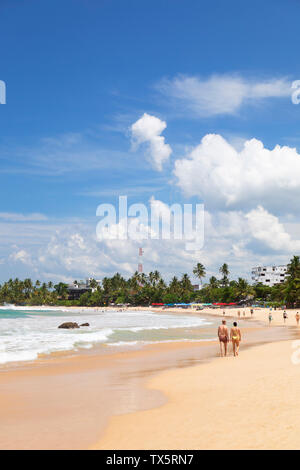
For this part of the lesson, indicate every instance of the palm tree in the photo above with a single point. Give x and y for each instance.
(133, 282)
(157, 276)
(186, 283)
(174, 284)
(151, 278)
(118, 281)
(161, 284)
(243, 289)
(225, 271)
(143, 279)
(291, 287)
(61, 290)
(213, 282)
(93, 283)
(199, 272)
(293, 268)
(28, 287)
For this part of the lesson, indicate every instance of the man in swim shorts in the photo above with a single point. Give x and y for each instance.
(223, 336)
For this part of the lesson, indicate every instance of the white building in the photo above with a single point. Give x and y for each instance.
(87, 282)
(269, 275)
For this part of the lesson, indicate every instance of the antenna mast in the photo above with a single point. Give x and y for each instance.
(140, 264)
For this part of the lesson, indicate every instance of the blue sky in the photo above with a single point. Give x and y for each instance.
(80, 73)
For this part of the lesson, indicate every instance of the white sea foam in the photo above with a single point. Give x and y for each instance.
(138, 343)
(46, 308)
(26, 333)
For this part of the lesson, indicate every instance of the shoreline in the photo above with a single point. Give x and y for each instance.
(69, 402)
(259, 319)
(260, 313)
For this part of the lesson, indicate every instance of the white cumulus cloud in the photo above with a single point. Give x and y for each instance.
(267, 228)
(226, 178)
(147, 130)
(22, 256)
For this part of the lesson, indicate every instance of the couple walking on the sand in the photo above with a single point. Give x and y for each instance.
(235, 337)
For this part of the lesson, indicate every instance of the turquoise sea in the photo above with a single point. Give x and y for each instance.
(27, 332)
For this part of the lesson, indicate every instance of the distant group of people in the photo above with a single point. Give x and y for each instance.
(284, 316)
(225, 337)
(239, 312)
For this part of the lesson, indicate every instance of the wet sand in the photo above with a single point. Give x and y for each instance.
(67, 402)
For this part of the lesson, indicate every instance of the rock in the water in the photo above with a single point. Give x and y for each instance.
(69, 325)
(85, 324)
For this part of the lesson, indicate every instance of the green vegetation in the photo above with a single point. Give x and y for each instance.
(142, 289)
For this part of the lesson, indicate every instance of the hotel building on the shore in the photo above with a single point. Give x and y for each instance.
(76, 289)
(269, 275)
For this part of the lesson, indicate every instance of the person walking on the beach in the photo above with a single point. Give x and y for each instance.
(297, 318)
(223, 337)
(284, 316)
(235, 336)
(270, 318)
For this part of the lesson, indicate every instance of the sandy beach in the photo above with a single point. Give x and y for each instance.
(66, 402)
(260, 314)
(249, 402)
(90, 400)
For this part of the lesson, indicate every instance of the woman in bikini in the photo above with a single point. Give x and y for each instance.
(236, 337)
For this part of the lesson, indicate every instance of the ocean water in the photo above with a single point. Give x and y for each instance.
(28, 332)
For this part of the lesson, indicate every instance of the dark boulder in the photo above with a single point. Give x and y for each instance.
(85, 324)
(69, 325)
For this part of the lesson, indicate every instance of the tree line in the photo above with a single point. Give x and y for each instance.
(142, 289)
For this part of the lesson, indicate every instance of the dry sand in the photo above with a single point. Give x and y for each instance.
(259, 313)
(249, 402)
